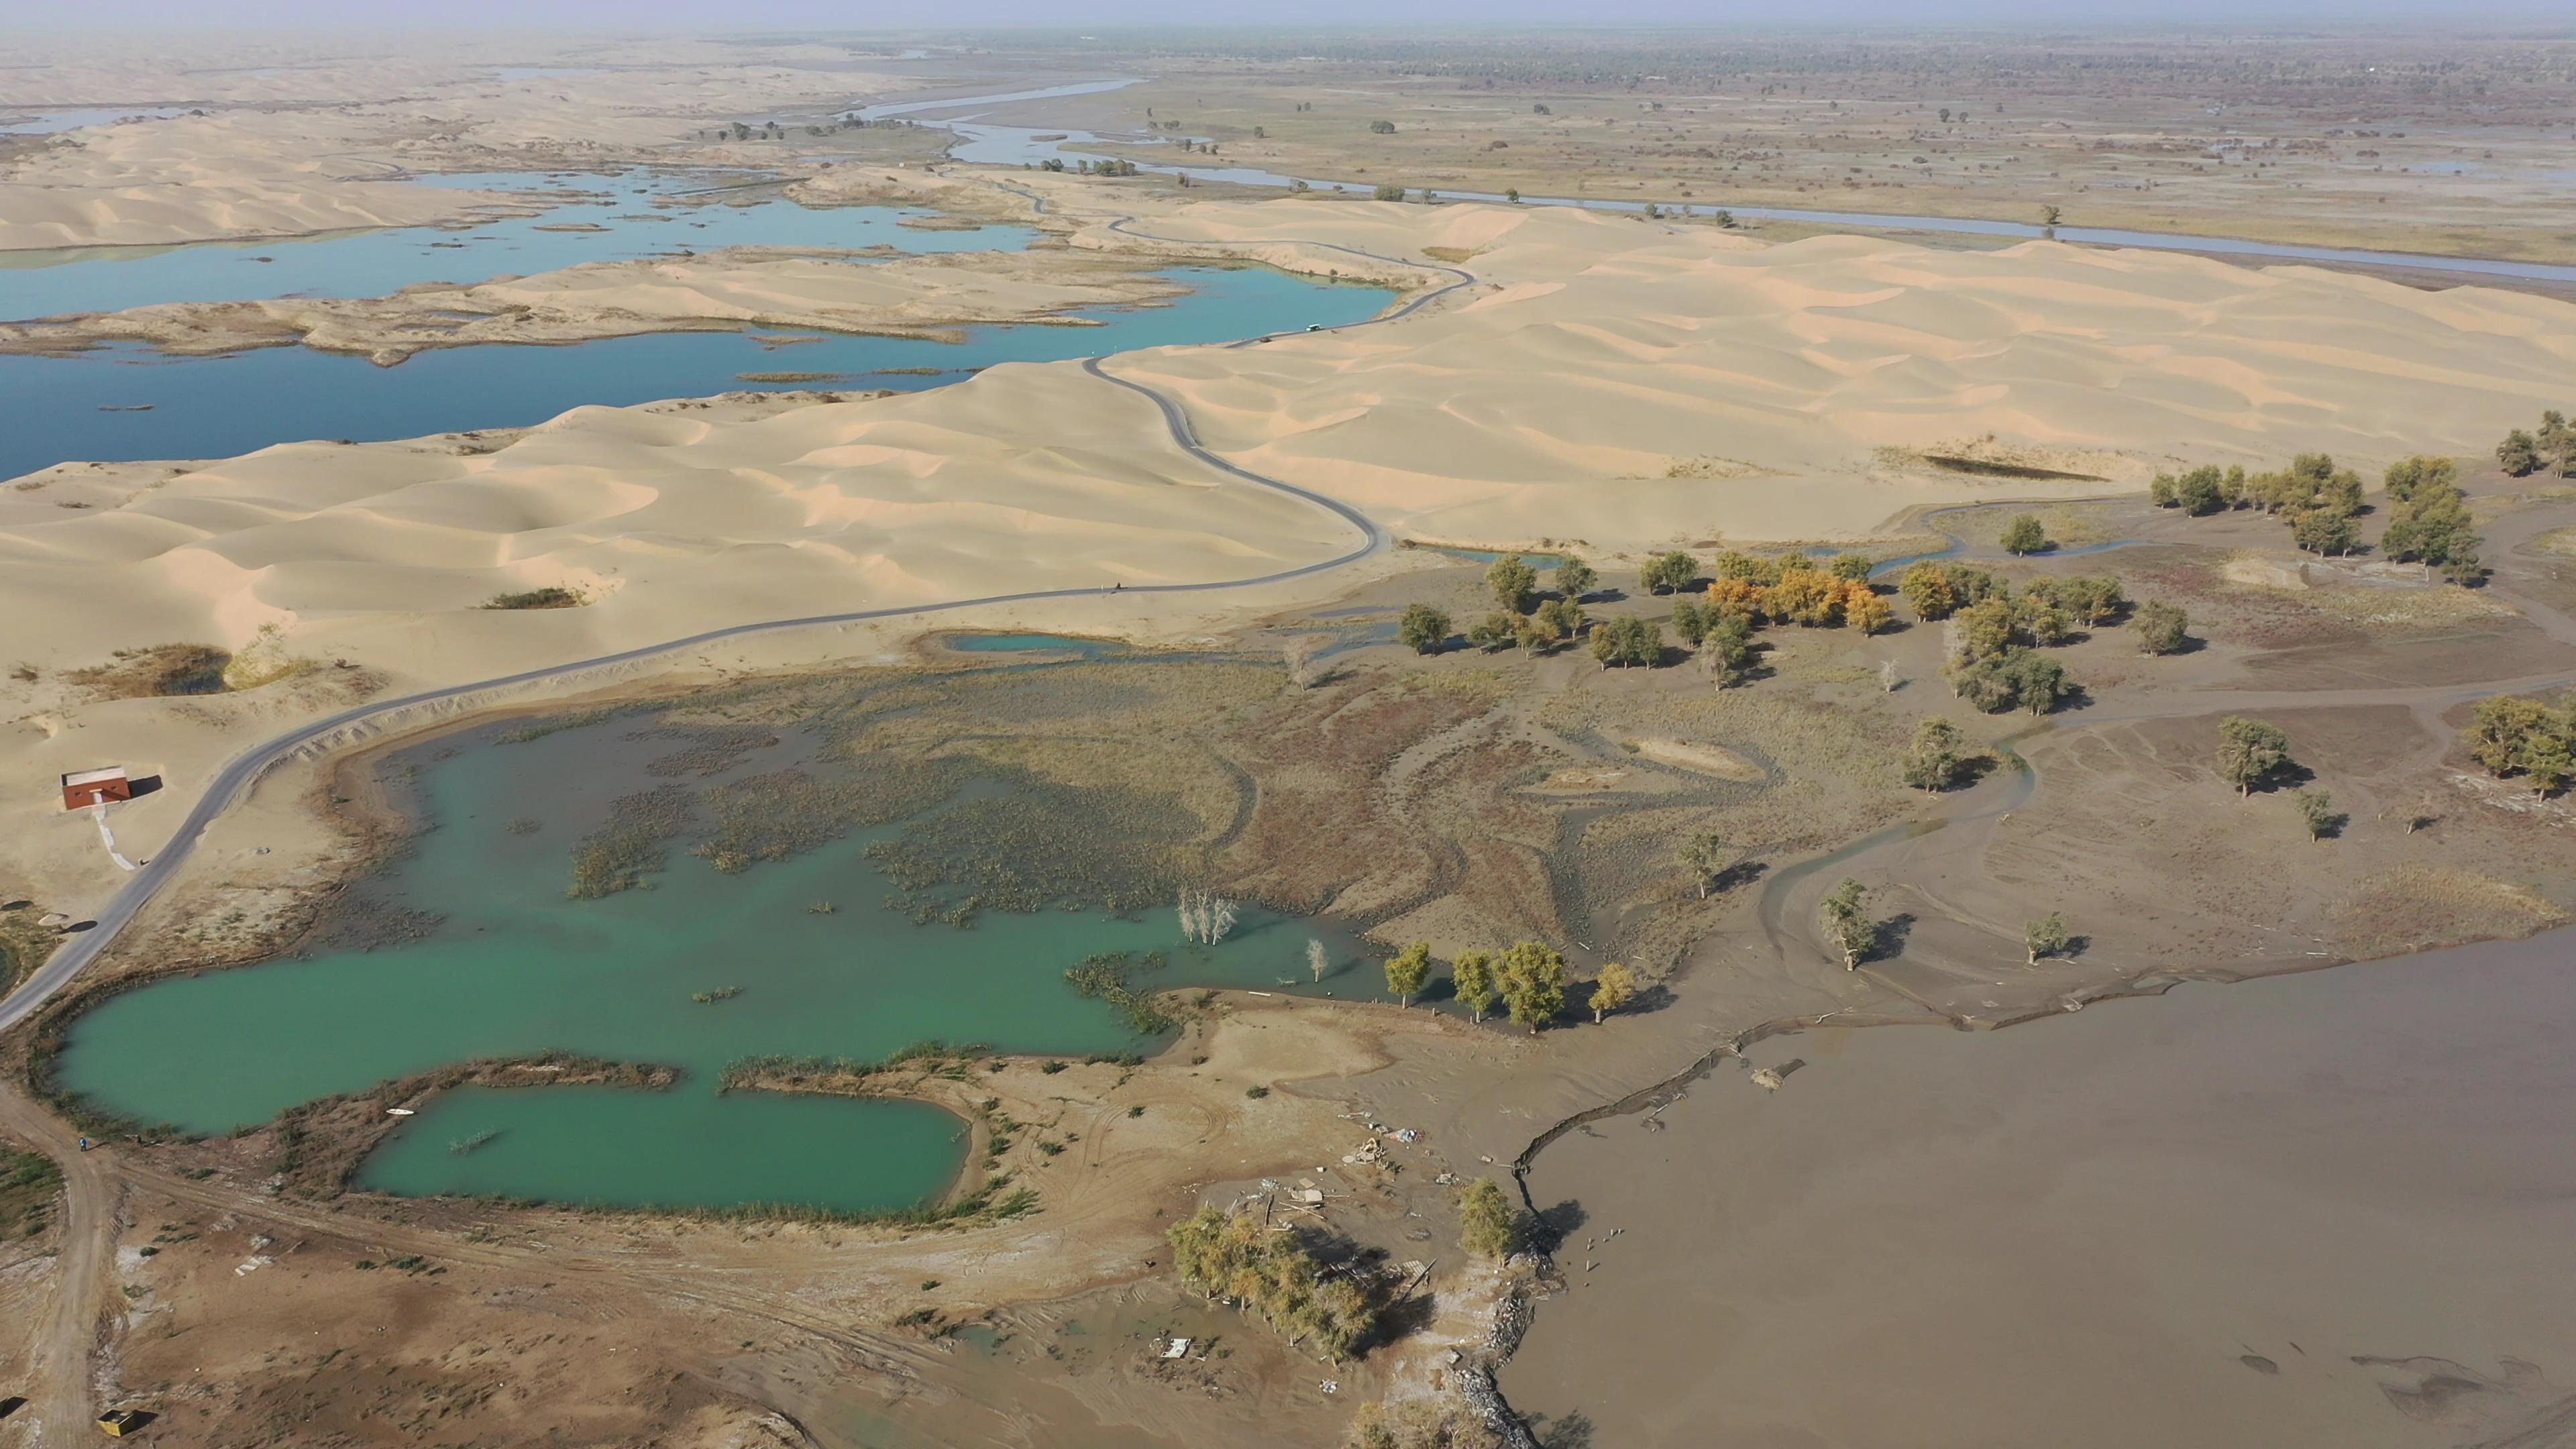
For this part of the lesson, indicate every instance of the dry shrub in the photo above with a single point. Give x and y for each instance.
(156, 670)
(2417, 907)
(24, 945)
(1420, 1424)
(2440, 606)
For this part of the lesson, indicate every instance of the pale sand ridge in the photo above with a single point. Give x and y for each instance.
(1595, 357)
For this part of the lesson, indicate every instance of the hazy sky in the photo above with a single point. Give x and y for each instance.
(773, 15)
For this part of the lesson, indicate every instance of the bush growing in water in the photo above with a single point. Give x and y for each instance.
(619, 853)
(1106, 977)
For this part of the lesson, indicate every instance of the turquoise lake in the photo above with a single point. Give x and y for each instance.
(218, 407)
(516, 967)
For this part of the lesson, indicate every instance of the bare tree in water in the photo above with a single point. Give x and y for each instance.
(1205, 917)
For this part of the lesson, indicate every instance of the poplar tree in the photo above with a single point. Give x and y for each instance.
(1614, 988)
(1845, 918)
(1473, 972)
(1407, 973)
(2249, 751)
(1532, 979)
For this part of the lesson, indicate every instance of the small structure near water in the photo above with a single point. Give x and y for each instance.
(85, 788)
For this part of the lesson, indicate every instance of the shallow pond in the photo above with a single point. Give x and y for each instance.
(633, 209)
(83, 407)
(1030, 644)
(49, 123)
(516, 967)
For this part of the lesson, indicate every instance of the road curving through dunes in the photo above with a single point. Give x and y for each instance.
(237, 775)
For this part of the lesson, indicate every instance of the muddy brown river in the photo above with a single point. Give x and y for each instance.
(2337, 1208)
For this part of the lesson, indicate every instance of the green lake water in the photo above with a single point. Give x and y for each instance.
(515, 967)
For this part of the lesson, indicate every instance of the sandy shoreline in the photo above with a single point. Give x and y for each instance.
(933, 297)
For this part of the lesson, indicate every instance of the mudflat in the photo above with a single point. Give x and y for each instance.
(2322, 1208)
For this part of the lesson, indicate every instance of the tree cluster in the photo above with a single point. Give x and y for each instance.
(2320, 502)
(1935, 591)
(2551, 450)
(1668, 573)
(1274, 1274)
(2513, 734)
(2428, 519)
(1796, 589)
(1537, 624)
(1529, 979)
(1993, 664)
(1628, 641)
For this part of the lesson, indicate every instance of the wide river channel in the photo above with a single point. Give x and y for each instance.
(2330, 1208)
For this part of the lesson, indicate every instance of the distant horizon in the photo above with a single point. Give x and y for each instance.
(630, 17)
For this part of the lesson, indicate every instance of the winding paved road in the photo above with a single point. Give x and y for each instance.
(237, 776)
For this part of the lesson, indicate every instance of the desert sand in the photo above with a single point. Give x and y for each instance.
(1604, 355)
(263, 159)
(1750, 393)
(930, 295)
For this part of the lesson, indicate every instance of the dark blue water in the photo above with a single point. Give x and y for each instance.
(218, 407)
(631, 205)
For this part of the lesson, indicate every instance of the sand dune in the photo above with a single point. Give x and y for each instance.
(677, 521)
(1610, 352)
(211, 176)
(1608, 380)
